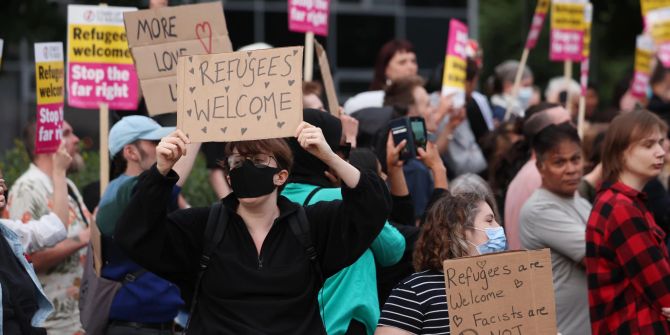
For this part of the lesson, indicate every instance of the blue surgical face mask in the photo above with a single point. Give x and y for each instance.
(524, 96)
(497, 241)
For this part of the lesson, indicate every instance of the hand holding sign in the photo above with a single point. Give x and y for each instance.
(312, 140)
(169, 150)
(61, 158)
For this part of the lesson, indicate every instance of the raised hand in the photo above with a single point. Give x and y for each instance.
(169, 150)
(312, 140)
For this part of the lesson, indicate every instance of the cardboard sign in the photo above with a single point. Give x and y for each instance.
(644, 56)
(158, 37)
(308, 16)
(50, 82)
(327, 78)
(538, 21)
(658, 24)
(236, 96)
(453, 78)
(584, 66)
(99, 66)
(502, 293)
(567, 30)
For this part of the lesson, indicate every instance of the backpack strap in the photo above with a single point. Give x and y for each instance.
(311, 195)
(300, 228)
(214, 230)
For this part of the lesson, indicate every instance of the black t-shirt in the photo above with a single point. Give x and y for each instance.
(19, 301)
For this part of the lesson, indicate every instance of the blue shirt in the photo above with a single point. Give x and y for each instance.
(420, 185)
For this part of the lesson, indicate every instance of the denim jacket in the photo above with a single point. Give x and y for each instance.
(44, 306)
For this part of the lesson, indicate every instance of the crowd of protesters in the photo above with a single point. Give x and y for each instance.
(335, 230)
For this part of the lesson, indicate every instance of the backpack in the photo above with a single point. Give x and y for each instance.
(216, 227)
(96, 293)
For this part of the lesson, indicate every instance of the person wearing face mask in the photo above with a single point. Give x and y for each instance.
(627, 261)
(501, 85)
(555, 217)
(455, 226)
(259, 278)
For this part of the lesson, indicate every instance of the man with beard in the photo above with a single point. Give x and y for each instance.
(59, 268)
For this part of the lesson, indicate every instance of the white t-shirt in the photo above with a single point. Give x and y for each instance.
(550, 221)
(364, 100)
(38, 234)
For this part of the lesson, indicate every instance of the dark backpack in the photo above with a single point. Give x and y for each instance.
(216, 227)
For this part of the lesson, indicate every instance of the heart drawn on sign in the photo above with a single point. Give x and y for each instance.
(190, 59)
(457, 320)
(204, 130)
(203, 31)
(227, 88)
(189, 112)
(191, 89)
(295, 52)
(518, 283)
(249, 53)
(223, 130)
(243, 130)
(290, 82)
(267, 83)
(258, 117)
(192, 71)
(481, 264)
(280, 124)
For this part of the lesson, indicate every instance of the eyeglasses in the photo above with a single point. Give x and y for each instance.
(259, 160)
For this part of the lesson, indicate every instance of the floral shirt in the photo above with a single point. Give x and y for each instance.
(31, 197)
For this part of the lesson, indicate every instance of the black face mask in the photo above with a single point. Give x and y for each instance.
(250, 181)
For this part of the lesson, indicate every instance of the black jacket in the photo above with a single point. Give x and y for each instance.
(243, 292)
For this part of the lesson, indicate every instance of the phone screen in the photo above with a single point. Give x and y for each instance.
(419, 130)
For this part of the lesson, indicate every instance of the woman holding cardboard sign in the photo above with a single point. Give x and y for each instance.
(268, 256)
(456, 226)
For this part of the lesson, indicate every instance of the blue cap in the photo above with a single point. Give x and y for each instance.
(135, 127)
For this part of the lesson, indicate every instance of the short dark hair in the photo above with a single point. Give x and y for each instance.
(277, 147)
(551, 136)
(384, 56)
(400, 94)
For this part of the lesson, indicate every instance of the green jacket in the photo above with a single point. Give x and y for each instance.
(352, 292)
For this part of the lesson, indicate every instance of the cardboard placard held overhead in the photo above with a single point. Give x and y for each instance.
(236, 96)
(49, 88)
(501, 293)
(158, 37)
(327, 78)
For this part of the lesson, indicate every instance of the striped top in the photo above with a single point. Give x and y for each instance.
(418, 304)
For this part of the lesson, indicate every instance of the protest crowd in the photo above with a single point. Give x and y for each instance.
(416, 207)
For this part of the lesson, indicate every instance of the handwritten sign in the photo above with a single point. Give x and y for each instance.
(644, 56)
(567, 30)
(538, 21)
(658, 24)
(584, 66)
(99, 65)
(236, 96)
(308, 16)
(453, 78)
(503, 293)
(327, 78)
(49, 79)
(158, 37)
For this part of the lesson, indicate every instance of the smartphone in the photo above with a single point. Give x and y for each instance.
(419, 130)
(400, 130)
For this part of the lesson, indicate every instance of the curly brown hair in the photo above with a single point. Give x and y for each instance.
(443, 234)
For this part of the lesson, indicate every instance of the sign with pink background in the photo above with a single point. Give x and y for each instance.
(308, 16)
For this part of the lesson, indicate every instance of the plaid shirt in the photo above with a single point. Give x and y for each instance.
(627, 265)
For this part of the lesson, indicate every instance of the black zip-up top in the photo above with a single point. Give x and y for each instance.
(242, 291)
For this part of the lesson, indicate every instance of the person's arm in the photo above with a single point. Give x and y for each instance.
(61, 161)
(389, 246)
(349, 128)
(402, 313)
(640, 254)
(402, 211)
(431, 158)
(38, 234)
(456, 117)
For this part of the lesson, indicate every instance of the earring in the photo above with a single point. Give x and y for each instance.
(388, 82)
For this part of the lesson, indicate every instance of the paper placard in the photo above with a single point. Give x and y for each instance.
(236, 96)
(644, 57)
(567, 30)
(538, 21)
(99, 65)
(658, 24)
(453, 78)
(327, 78)
(158, 37)
(49, 88)
(584, 66)
(501, 293)
(308, 16)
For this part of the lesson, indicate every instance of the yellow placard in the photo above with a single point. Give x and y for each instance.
(643, 60)
(648, 5)
(567, 16)
(454, 72)
(98, 44)
(543, 6)
(50, 79)
(660, 31)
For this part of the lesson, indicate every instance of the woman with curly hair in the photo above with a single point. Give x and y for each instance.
(456, 226)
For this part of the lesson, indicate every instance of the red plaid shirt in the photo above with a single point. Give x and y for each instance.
(627, 265)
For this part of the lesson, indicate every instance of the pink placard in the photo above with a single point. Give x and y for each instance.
(566, 45)
(49, 131)
(90, 84)
(638, 86)
(535, 29)
(458, 39)
(308, 16)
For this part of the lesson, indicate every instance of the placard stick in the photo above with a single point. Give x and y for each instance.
(309, 56)
(581, 116)
(517, 78)
(567, 73)
(104, 151)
